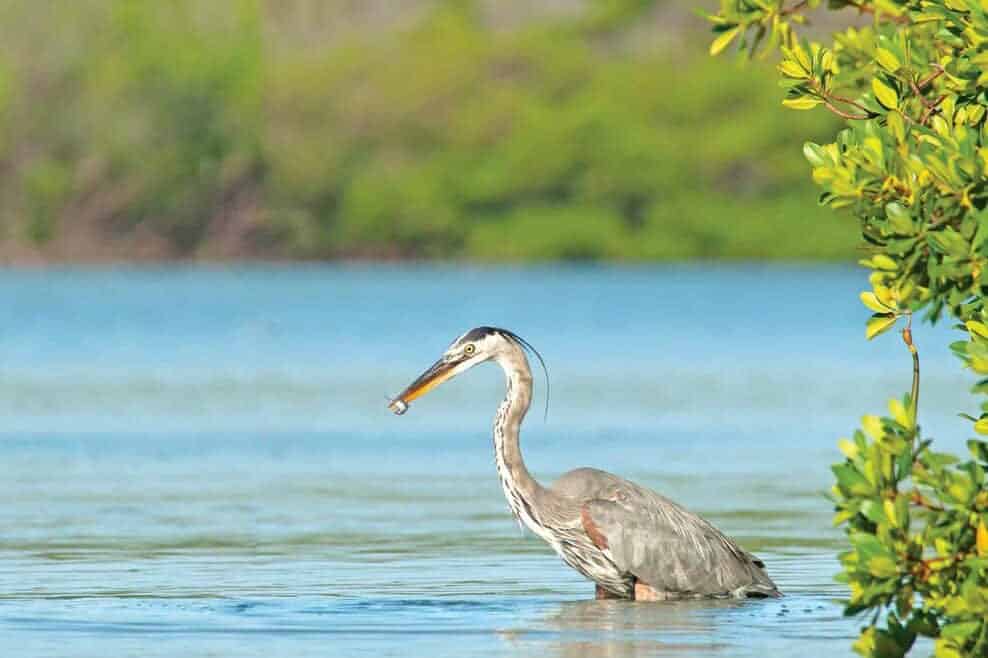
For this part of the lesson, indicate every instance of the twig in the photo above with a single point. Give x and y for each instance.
(841, 113)
(918, 499)
(865, 9)
(907, 338)
(958, 557)
(919, 94)
(924, 566)
(829, 99)
(853, 103)
(796, 8)
(922, 84)
(930, 109)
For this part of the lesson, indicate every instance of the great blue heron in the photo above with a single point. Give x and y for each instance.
(632, 542)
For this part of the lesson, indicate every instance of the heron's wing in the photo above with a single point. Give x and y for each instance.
(669, 548)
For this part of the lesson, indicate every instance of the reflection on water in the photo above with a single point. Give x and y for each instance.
(615, 628)
(687, 628)
(201, 462)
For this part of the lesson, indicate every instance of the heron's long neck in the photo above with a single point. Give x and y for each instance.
(520, 488)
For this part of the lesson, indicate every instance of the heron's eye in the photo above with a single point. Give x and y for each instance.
(469, 349)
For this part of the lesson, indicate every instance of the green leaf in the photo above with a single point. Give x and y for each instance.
(896, 126)
(977, 328)
(884, 94)
(981, 427)
(849, 478)
(841, 517)
(879, 324)
(960, 630)
(869, 547)
(887, 60)
(961, 487)
(802, 103)
(814, 154)
(882, 567)
(871, 301)
(939, 459)
(890, 512)
(724, 40)
(872, 426)
(899, 413)
(949, 242)
(800, 55)
(848, 447)
(900, 219)
(979, 449)
(883, 262)
(874, 512)
(792, 69)
(865, 644)
(943, 650)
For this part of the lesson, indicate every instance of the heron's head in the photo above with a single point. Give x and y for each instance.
(472, 348)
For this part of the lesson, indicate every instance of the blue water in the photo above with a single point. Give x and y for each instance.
(200, 462)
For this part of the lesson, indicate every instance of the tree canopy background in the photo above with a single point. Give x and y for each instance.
(494, 131)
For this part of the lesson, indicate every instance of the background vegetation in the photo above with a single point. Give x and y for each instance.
(456, 129)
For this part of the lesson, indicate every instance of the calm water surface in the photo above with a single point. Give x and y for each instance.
(200, 462)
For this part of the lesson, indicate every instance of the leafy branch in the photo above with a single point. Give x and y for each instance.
(912, 167)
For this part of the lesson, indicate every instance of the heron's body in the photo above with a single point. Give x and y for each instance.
(629, 540)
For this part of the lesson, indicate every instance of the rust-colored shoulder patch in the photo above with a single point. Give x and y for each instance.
(598, 539)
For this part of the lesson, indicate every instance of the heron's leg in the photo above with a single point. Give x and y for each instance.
(645, 592)
(604, 594)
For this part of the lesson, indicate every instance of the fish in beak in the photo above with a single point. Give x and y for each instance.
(440, 371)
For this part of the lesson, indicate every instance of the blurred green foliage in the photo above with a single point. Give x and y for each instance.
(912, 167)
(447, 137)
(191, 100)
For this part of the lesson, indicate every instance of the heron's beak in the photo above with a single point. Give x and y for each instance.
(439, 372)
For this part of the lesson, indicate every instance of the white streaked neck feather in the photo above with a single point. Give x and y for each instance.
(520, 488)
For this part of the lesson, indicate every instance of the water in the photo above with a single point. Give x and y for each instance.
(200, 462)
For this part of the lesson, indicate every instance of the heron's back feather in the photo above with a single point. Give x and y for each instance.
(660, 543)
